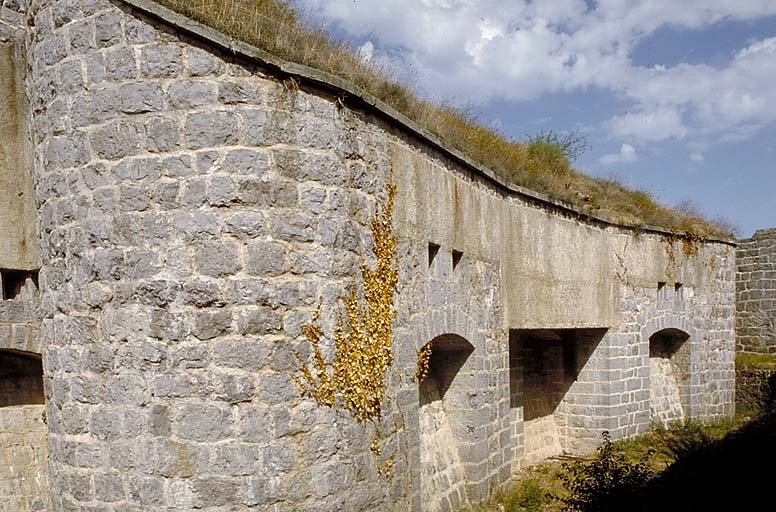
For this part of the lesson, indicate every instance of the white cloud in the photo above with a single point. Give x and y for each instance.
(477, 50)
(627, 154)
(650, 126)
(696, 157)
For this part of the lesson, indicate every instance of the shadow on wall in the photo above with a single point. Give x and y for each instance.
(669, 376)
(544, 366)
(21, 379)
(448, 355)
(443, 425)
(550, 360)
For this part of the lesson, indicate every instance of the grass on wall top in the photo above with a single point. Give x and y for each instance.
(541, 163)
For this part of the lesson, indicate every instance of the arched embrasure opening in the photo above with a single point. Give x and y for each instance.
(545, 366)
(669, 376)
(21, 379)
(443, 406)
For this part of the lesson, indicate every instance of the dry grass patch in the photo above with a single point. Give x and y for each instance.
(752, 361)
(542, 163)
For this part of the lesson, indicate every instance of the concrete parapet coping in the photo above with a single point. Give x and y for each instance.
(340, 86)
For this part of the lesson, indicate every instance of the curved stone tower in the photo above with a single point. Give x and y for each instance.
(197, 199)
(756, 293)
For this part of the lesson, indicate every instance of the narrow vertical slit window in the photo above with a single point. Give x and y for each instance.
(457, 255)
(661, 290)
(433, 250)
(679, 291)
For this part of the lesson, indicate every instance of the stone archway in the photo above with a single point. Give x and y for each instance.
(669, 376)
(443, 406)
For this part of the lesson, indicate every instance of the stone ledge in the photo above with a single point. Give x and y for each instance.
(339, 86)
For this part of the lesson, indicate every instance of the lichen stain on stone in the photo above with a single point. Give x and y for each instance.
(180, 464)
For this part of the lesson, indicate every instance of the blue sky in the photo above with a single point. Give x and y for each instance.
(677, 98)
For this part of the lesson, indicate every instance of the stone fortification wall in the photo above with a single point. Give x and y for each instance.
(756, 293)
(193, 213)
(196, 206)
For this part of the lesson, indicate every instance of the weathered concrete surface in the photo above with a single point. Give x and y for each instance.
(756, 293)
(193, 212)
(18, 221)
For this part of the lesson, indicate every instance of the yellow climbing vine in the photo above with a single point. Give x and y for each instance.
(363, 335)
(424, 357)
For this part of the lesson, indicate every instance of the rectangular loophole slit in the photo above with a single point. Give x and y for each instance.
(433, 250)
(661, 290)
(457, 255)
(18, 282)
(679, 290)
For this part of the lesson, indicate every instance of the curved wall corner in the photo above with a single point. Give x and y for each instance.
(192, 214)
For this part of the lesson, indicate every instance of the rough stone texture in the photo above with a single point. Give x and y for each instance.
(756, 293)
(20, 325)
(665, 404)
(193, 213)
(24, 484)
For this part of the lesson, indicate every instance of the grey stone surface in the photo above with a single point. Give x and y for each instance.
(194, 212)
(162, 60)
(140, 98)
(116, 140)
(186, 95)
(756, 293)
(211, 129)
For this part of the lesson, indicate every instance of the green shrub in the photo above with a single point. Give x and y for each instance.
(682, 438)
(602, 484)
(528, 497)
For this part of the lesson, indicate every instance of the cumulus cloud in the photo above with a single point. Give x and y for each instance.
(650, 126)
(477, 50)
(627, 154)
